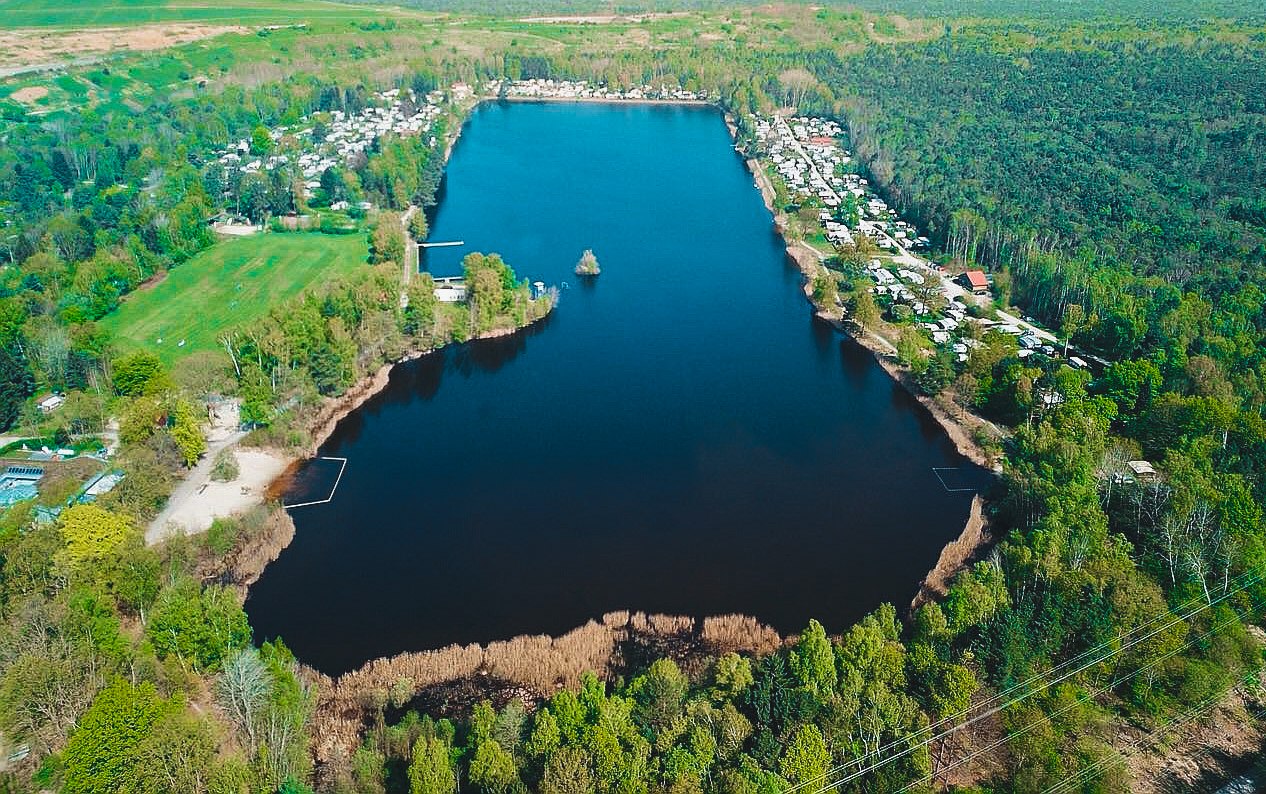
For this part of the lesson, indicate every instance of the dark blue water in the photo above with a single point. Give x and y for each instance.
(680, 436)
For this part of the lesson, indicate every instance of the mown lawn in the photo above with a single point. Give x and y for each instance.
(228, 285)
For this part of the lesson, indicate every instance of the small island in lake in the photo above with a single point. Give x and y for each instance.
(588, 264)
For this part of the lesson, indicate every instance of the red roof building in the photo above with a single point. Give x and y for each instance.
(977, 280)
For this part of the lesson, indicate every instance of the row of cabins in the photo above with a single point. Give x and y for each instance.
(579, 89)
(347, 135)
(819, 175)
(812, 175)
(807, 174)
(943, 327)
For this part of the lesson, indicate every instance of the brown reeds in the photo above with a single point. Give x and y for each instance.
(739, 634)
(956, 555)
(537, 665)
(545, 663)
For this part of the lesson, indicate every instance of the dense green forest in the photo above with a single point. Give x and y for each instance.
(1137, 10)
(1114, 176)
(1108, 174)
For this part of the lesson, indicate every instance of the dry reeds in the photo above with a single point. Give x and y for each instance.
(543, 663)
(956, 555)
(423, 669)
(538, 664)
(739, 634)
(618, 619)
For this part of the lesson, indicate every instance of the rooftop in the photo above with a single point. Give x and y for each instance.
(977, 278)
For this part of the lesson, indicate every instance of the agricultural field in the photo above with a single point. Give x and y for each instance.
(227, 285)
(98, 62)
(88, 13)
(67, 58)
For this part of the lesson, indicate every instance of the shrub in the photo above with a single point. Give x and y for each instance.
(221, 535)
(225, 468)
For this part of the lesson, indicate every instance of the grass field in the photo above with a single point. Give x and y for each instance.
(227, 285)
(214, 47)
(97, 13)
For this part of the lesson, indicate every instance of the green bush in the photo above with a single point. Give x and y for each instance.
(225, 468)
(221, 535)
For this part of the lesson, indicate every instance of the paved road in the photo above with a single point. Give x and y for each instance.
(1039, 332)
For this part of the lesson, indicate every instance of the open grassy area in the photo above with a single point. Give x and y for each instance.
(92, 13)
(227, 285)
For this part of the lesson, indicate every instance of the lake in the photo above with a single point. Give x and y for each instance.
(679, 436)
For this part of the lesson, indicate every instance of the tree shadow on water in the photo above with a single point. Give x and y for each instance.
(490, 355)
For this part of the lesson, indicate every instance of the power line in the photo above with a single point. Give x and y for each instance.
(1243, 580)
(1119, 756)
(1048, 717)
(1249, 579)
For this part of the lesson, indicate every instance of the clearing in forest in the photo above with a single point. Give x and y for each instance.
(228, 285)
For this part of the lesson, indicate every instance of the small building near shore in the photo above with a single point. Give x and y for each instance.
(50, 403)
(450, 290)
(1143, 471)
(976, 281)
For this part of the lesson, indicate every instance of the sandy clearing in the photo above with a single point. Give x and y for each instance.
(29, 94)
(23, 46)
(193, 510)
(237, 229)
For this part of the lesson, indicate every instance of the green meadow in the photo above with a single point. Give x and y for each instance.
(227, 285)
(88, 14)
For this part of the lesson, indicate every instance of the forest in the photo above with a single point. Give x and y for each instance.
(1106, 171)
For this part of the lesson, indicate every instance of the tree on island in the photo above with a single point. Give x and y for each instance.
(588, 264)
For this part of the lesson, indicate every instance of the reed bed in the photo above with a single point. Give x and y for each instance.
(739, 634)
(537, 663)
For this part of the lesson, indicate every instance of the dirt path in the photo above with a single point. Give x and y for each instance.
(410, 265)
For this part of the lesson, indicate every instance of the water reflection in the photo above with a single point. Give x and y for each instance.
(671, 440)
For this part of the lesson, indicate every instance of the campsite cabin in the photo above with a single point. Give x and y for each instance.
(1143, 471)
(50, 403)
(976, 281)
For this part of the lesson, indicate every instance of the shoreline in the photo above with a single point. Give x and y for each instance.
(335, 409)
(594, 100)
(958, 553)
(530, 667)
(455, 660)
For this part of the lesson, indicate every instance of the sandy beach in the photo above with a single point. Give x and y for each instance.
(199, 500)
